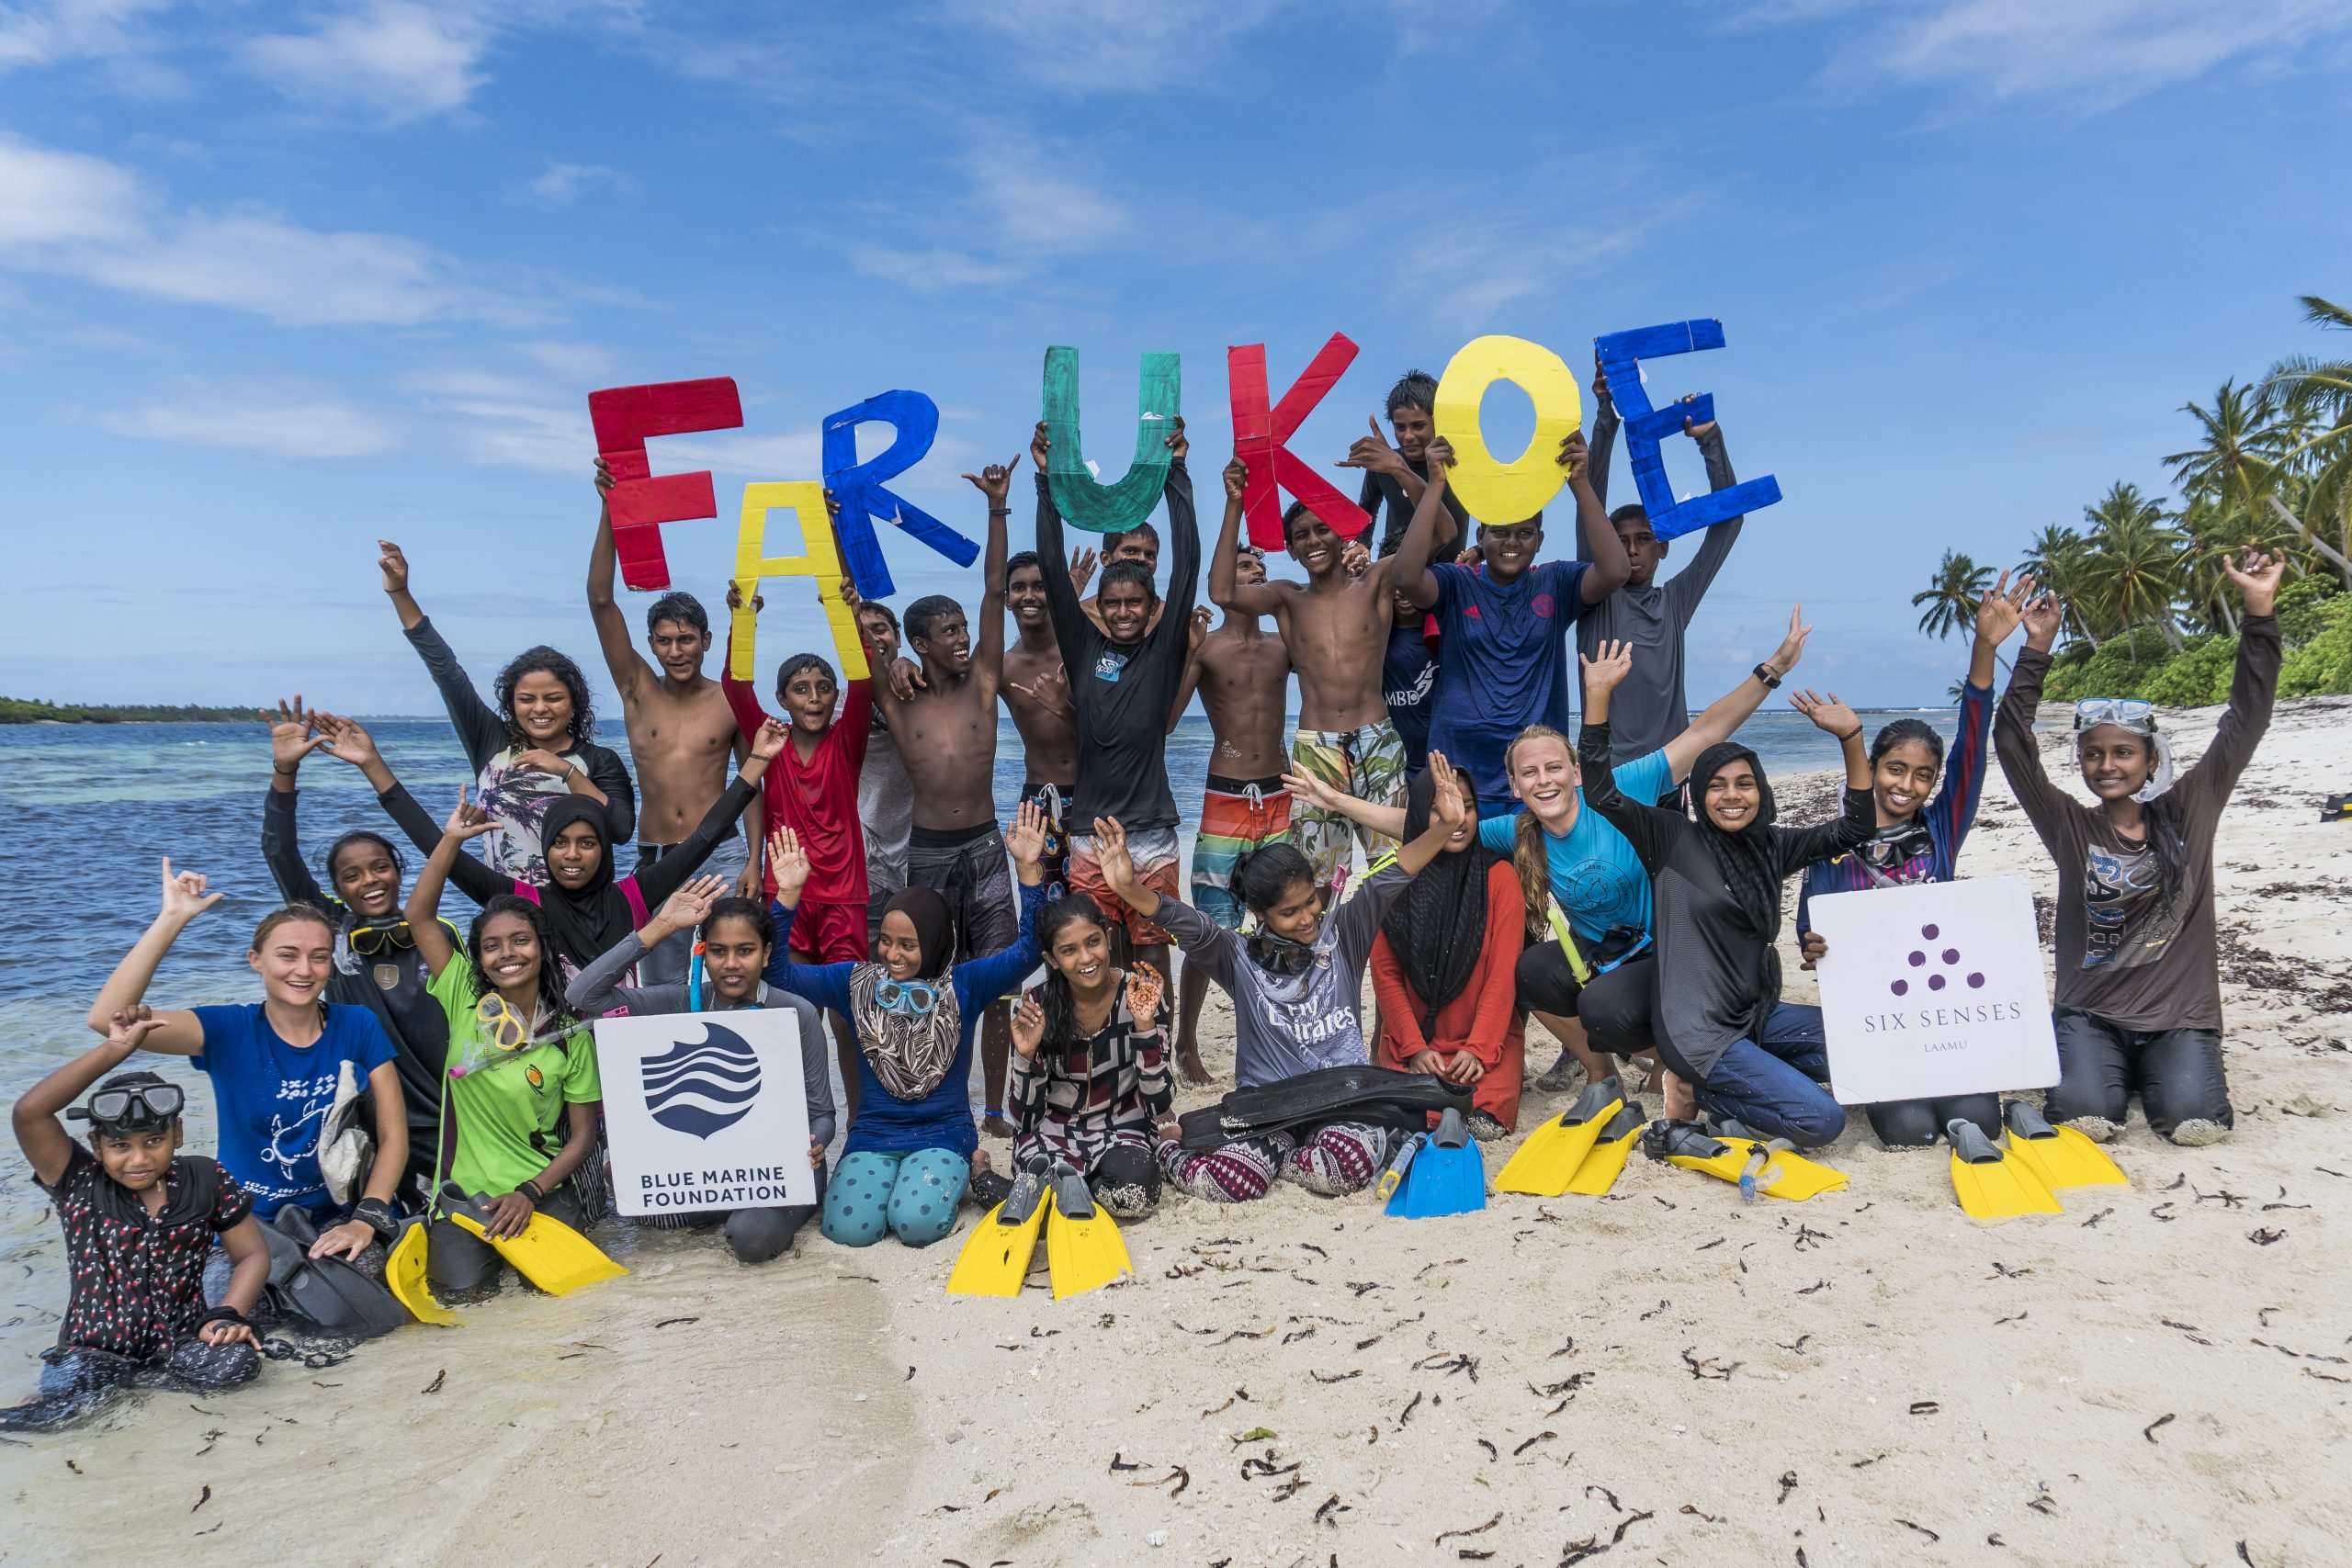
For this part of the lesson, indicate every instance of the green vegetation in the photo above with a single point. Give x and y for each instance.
(2150, 612)
(21, 710)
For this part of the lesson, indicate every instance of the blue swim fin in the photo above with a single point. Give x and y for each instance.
(1447, 1177)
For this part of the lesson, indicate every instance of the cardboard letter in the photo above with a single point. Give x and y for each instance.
(624, 417)
(1646, 427)
(858, 487)
(820, 560)
(1497, 491)
(1260, 434)
(1082, 501)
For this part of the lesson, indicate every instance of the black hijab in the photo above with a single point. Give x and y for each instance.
(590, 921)
(1749, 859)
(934, 927)
(1438, 924)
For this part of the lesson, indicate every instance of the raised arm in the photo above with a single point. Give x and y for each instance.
(1409, 571)
(1687, 587)
(1183, 554)
(2014, 740)
(621, 657)
(995, 482)
(1647, 828)
(1723, 716)
(1386, 820)
(182, 1033)
(1604, 440)
(1072, 630)
(479, 729)
(293, 735)
(1258, 598)
(1800, 847)
(1190, 680)
(986, 978)
(1601, 546)
(597, 990)
(423, 906)
(47, 1144)
(2254, 687)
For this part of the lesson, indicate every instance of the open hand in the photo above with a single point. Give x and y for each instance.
(184, 895)
(467, 821)
(1111, 854)
(1614, 663)
(1313, 791)
(345, 1241)
(1784, 657)
(1449, 793)
(510, 1215)
(2002, 608)
(1026, 843)
(690, 905)
(2041, 618)
(1828, 713)
(1028, 1027)
(346, 739)
(995, 481)
(790, 865)
(293, 735)
(1082, 562)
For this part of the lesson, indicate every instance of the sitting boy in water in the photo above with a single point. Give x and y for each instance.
(139, 1220)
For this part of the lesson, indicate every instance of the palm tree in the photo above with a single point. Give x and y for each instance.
(1952, 598)
(2236, 466)
(2059, 559)
(2136, 562)
(2316, 394)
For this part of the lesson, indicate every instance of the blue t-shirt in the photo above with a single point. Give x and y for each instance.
(271, 1099)
(1596, 875)
(1508, 662)
(1407, 676)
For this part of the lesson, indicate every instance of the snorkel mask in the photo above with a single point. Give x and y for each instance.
(1279, 954)
(147, 1107)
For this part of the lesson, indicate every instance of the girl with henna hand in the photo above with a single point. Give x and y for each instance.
(522, 1095)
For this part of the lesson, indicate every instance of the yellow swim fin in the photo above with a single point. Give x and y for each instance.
(1601, 1168)
(549, 1253)
(1083, 1248)
(404, 1277)
(1546, 1159)
(2061, 1157)
(995, 1259)
(1990, 1185)
(1759, 1167)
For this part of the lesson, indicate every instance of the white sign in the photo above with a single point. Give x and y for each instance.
(705, 1111)
(1934, 989)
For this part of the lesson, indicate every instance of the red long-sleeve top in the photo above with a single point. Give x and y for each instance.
(1484, 1019)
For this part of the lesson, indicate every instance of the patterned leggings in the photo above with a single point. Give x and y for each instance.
(913, 1197)
(77, 1371)
(1336, 1159)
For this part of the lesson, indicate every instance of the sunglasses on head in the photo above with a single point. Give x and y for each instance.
(908, 999)
(2135, 711)
(369, 940)
(146, 1105)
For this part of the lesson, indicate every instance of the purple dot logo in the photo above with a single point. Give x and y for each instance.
(1928, 932)
(1918, 958)
(1900, 988)
(1977, 982)
(1935, 982)
(1951, 956)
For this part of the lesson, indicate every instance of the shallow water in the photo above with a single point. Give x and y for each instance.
(93, 807)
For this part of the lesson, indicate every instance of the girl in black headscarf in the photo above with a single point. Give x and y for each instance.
(588, 910)
(1443, 963)
(1715, 886)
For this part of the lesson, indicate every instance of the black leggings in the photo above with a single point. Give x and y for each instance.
(457, 1261)
(754, 1236)
(1916, 1123)
(1125, 1182)
(1615, 1007)
(77, 1372)
(2176, 1073)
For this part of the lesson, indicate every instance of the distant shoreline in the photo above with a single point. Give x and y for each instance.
(20, 710)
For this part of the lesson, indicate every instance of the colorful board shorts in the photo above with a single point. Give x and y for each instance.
(971, 871)
(1052, 800)
(1239, 817)
(1154, 851)
(835, 933)
(1368, 763)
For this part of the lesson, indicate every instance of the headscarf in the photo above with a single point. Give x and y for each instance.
(2166, 835)
(911, 1055)
(1438, 924)
(590, 921)
(1749, 859)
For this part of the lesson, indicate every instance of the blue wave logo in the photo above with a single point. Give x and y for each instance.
(705, 1086)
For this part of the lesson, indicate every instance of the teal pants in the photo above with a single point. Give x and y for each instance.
(913, 1197)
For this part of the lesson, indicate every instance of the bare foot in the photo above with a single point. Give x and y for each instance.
(980, 1162)
(1188, 1062)
(995, 1126)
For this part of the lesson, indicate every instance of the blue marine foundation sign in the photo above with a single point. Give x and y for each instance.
(706, 1113)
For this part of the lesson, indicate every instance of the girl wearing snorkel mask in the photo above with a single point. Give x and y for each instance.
(909, 1155)
(1297, 983)
(2139, 995)
(1918, 838)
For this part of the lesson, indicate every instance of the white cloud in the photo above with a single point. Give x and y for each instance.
(83, 217)
(392, 58)
(60, 31)
(273, 421)
(2091, 54)
(510, 422)
(933, 270)
(562, 183)
(1022, 209)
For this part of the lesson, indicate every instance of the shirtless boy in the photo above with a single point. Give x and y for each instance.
(945, 727)
(682, 734)
(1242, 673)
(1335, 627)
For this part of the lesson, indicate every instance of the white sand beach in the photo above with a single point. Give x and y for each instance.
(2162, 1375)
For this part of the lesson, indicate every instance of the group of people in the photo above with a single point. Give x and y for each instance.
(1623, 888)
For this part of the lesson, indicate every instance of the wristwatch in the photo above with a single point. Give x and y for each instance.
(1764, 673)
(378, 1216)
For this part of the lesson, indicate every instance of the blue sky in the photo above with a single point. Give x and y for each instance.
(276, 281)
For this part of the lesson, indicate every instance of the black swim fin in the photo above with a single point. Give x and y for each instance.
(1379, 1096)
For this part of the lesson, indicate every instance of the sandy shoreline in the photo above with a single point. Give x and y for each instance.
(2154, 1376)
